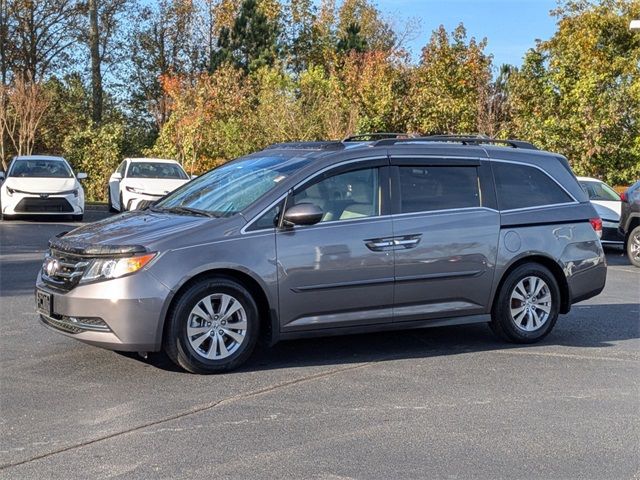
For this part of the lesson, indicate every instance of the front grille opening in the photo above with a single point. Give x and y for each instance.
(44, 205)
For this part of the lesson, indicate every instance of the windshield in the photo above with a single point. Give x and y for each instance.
(600, 191)
(231, 188)
(156, 170)
(40, 168)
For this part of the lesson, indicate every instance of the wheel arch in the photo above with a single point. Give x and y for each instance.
(554, 267)
(632, 222)
(269, 323)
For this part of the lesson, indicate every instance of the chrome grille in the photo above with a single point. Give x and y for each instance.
(62, 270)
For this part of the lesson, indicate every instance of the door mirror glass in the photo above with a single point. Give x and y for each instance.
(116, 176)
(81, 176)
(302, 214)
(1, 176)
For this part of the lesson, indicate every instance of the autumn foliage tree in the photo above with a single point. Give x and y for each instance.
(204, 81)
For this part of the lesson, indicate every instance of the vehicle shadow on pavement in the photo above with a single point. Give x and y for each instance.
(588, 326)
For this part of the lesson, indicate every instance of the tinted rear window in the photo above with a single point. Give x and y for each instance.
(429, 188)
(520, 186)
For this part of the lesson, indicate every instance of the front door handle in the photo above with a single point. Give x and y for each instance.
(407, 241)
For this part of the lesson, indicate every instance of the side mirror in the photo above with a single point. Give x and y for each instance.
(116, 176)
(302, 214)
(81, 176)
(1, 176)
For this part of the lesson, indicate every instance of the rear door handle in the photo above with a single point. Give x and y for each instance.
(379, 244)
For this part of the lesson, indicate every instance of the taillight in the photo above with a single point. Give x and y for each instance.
(623, 197)
(596, 223)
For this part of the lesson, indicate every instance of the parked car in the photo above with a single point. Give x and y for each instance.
(143, 179)
(630, 222)
(42, 185)
(329, 238)
(607, 203)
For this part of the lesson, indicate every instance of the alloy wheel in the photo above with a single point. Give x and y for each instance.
(634, 245)
(217, 326)
(530, 303)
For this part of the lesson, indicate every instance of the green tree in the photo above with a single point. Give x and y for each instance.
(352, 40)
(579, 92)
(253, 42)
(96, 151)
(449, 88)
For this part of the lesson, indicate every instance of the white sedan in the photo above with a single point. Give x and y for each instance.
(41, 185)
(138, 179)
(608, 204)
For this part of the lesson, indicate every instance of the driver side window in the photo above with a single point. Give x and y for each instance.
(345, 196)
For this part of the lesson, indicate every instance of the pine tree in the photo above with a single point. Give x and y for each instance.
(252, 42)
(352, 40)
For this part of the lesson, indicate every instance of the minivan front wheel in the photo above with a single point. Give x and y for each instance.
(213, 327)
(527, 305)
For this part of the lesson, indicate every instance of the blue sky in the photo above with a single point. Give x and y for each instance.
(511, 26)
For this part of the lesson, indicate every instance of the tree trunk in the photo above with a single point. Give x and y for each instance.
(96, 74)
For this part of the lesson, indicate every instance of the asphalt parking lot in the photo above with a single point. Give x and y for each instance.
(436, 403)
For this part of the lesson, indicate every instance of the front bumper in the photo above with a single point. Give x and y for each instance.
(131, 310)
(32, 204)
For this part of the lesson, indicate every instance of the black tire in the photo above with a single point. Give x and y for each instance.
(503, 323)
(111, 207)
(633, 247)
(122, 205)
(176, 342)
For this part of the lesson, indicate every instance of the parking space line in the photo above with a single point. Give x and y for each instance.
(199, 409)
(566, 355)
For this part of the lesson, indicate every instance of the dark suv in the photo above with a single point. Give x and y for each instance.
(326, 238)
(630, 222)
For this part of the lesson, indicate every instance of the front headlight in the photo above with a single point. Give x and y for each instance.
(68, 192)
(135, 190)
(108, 268)
(10, 191)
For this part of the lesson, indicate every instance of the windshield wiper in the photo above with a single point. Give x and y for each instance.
(182, 209)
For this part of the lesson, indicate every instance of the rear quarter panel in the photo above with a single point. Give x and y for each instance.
(573, 246)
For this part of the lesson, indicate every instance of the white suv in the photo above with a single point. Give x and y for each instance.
(42, 185)
(138, 179)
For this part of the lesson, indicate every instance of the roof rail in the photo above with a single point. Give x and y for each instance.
(464, 140)
(366, 137)
(326, 145)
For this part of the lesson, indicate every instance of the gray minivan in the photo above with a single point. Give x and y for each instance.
(328, 238)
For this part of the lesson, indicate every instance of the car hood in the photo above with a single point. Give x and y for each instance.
(128, 233)
(41, 185)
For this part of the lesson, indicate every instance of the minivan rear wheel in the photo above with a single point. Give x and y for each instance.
(213, 327)
(527, 305)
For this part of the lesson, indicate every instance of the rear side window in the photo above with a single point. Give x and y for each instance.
(427, 188)
(519, 186)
